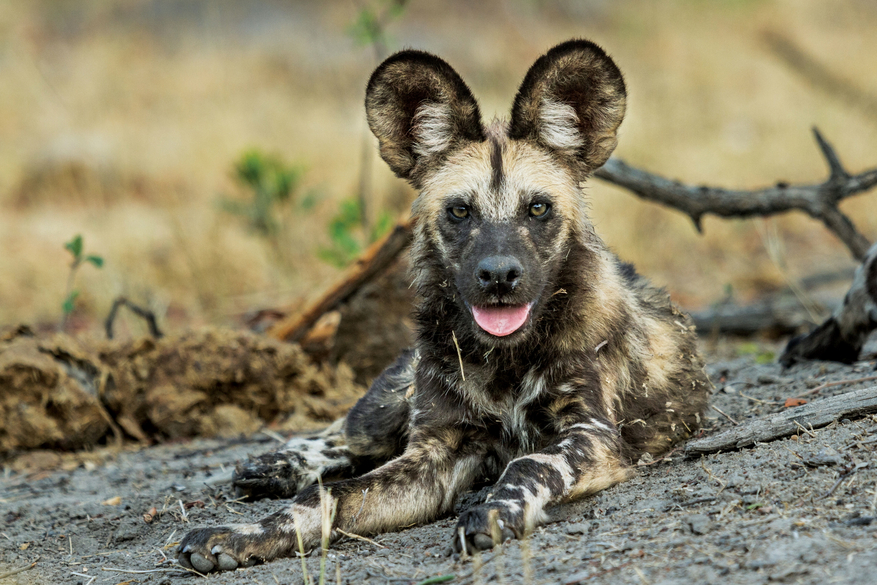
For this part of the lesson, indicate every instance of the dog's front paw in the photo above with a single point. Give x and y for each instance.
(221, 548)
(280, 474)
(482, 527)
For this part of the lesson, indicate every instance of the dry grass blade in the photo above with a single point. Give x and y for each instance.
(328, 509)
(358, 537)
(459, 355)
(724, 414)
(301, 546)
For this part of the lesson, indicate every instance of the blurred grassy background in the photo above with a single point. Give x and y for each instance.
(122, 120)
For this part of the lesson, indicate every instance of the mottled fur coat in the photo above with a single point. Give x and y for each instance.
(543, 364)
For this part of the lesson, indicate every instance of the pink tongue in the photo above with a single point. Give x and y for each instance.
(501, 321)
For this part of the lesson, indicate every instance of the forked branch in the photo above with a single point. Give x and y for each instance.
(820, 201)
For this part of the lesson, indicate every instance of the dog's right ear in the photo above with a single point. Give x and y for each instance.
(420, 110)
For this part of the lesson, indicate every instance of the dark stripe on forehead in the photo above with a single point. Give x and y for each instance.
(496, 148)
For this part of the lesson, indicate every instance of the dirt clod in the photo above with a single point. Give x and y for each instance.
(63, 393)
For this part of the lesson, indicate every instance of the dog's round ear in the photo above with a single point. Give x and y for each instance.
(420, 110)
(571, 101)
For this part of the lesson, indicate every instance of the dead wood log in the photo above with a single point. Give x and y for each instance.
(781, 313)
(840, 337)
(373, 262)
(816, 414)
(777, 315)
(820, 201)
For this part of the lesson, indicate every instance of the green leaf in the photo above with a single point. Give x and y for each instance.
(251, 168)
(75, 246)
(382, 225)
(67, 305)
(96, 260)
(747, 348)
(366, 29)
(310, 200)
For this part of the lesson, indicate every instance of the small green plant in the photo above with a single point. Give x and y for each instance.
(270, 183)
(347, 235)
(371, 23)
(750, 348)
(370, 30)
(75, 247)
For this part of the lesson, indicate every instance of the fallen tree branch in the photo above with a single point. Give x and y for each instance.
(820, 201)
(840, 338)
(818, 413)
(372, 263)
(778, 315)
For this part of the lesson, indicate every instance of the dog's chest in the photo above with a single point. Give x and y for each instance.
(509, 406)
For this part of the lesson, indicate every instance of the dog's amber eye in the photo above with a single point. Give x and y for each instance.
(459, 211)
(539, 209)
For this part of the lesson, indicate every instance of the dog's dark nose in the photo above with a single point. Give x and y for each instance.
(498, 274)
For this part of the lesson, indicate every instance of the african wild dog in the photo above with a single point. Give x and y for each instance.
(542, 362)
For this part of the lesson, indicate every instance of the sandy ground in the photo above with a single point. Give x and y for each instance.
(795, 510)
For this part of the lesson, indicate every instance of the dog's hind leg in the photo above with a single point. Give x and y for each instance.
(377, 426)
(374, 431)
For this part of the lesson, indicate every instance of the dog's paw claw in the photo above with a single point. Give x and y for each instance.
(272, 475)
(477, 530)
(207, 550)
(226, 562)
(201, 563)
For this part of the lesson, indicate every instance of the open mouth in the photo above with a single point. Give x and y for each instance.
(501, 320)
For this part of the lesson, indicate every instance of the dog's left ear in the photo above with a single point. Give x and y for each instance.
(572, 101)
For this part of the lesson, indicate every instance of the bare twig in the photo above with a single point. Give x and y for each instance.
(358, 537)
(90, 578)
(820, 201)
(841, 479)
(801, 428)
(724, 414)
(145, 572)
(837, 383)
(712, 476)
(18, 570)
(145, 314)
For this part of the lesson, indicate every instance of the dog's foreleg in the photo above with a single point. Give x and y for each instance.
(584, 459)
(418, 486)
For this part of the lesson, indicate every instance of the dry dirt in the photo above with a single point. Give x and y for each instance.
(795, 510)
(61, 392)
